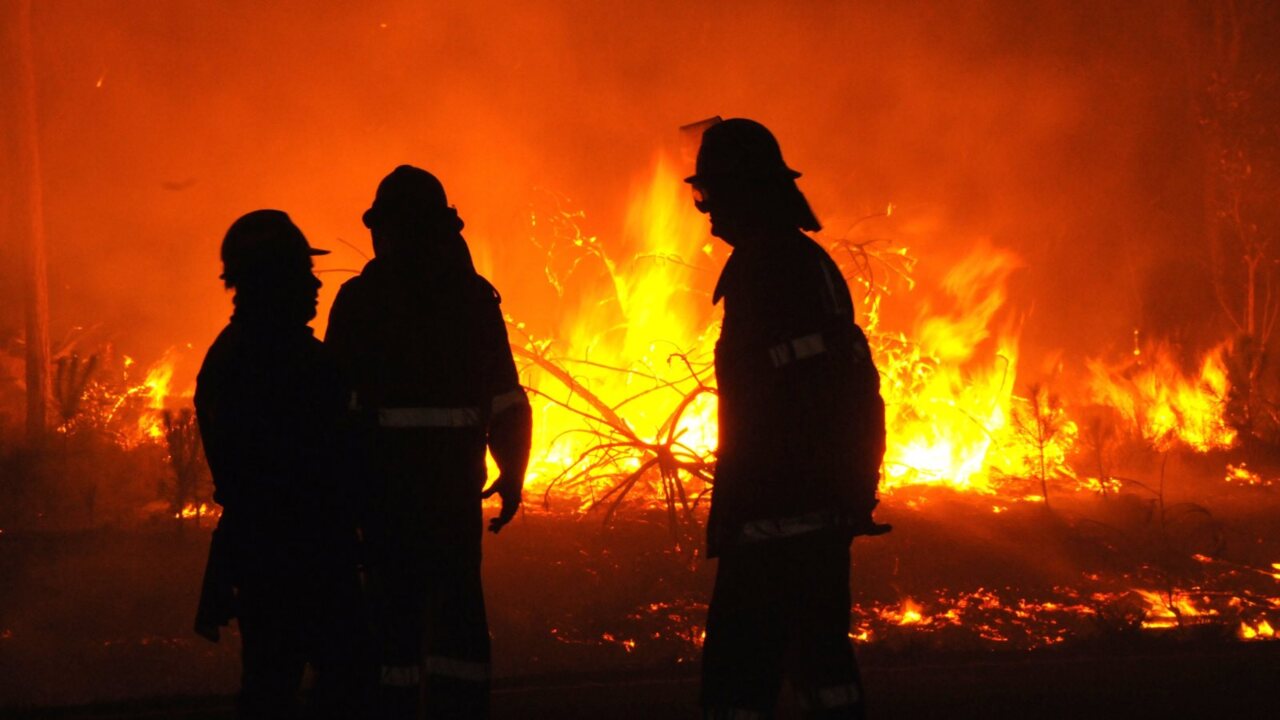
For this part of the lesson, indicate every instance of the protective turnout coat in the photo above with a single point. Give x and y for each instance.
(434, 380)
(800, 415)
(430, 359)
(270, 408)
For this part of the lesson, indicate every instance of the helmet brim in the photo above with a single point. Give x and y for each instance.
(703, 179)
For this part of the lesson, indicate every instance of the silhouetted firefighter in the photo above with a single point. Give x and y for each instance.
(422, 337)
(283, 557)
(801, 441)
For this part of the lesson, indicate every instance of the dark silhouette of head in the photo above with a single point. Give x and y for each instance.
(267, 261)
(742, 182)
(413, 225)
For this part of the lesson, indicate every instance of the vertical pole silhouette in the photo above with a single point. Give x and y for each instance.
(27, 201)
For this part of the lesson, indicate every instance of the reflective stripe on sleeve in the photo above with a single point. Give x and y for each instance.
(420, 417)
(401, 675)
(508, 400)
(799, 348)
(838, 696)
(458, 669)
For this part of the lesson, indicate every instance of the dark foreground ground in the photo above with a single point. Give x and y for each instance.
(1218, 683)
(588, 622)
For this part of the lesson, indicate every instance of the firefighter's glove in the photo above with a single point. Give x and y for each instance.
(509, 490)
(864, 525)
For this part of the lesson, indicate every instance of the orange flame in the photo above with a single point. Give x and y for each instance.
(155, 390)
(633, 350)
(1170, 610)
(639, 351)
(1166, 406)
(1260, 631)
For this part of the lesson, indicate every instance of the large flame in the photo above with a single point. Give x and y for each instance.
(948, 387)
(624, 389)
(1163, 404)
(627, 378)
(620, 386)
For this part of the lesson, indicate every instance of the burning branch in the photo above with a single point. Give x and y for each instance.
(614, 452)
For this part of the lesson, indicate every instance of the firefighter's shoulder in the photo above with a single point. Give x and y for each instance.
(354, 284)
(486, 292)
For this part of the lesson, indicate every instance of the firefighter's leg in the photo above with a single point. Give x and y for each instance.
(821, 663)
(745, 641)
(402, 597)
(344, 654)
(399, 557)
(272, 663)
(456, 646)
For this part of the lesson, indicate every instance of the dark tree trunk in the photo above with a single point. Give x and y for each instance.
(26, 203)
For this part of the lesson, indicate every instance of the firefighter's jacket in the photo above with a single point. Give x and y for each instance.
(801, 419)
(271, 413)
(433, 377)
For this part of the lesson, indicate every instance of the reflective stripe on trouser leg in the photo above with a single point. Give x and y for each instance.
(455, 668)
(401, 676)
(456, 640)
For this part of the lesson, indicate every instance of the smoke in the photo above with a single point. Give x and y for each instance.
(1063, 131)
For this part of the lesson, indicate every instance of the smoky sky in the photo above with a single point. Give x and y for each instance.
(1063, 131)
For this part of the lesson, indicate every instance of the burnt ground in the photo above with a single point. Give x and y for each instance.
(587, 621)
(1192, 682)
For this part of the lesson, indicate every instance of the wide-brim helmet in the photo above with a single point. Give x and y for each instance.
(738, 150)
(263, 243)
(407, 195)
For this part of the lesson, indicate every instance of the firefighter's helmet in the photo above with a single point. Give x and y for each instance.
(739, 149)
(262, 243)
(407, 194)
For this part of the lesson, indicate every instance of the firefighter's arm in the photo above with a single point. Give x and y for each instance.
(510, 433)
(510, 418)
(340, 333)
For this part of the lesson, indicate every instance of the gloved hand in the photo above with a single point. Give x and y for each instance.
(865, 525)
(509, 490)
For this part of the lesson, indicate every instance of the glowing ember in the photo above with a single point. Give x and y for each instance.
(198, 512)
(908, 614)
(1241, 475)
(1101, 486)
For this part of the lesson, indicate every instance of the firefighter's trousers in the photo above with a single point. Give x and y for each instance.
(781, 607)
(290, 617)
(435, 637)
